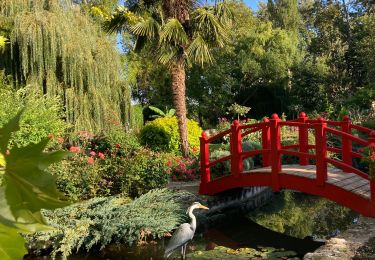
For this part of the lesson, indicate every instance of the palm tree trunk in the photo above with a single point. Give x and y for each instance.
(179, 101)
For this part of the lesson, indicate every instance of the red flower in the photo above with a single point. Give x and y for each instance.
(90, 160)
(75, 149)
(118, 145)
(361, 150)
(194, 149)
(101, 155)
(169, 163)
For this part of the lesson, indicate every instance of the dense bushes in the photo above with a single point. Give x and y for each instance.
(41, 118)
(101, 221)
(99, 167)
(162, 135)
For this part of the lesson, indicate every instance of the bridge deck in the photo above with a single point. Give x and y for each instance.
(347, 181)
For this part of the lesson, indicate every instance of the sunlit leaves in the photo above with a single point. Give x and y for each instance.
(148, 27)
(173, 32)
(3, 42)
(199, 51)
(209, 27)
(26, 188)
(12, 245)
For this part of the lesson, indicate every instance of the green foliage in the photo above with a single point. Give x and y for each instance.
(12, 245)
(40, 119)
(137, 121)
(162, 135)
(57, 48)
(160, 113)
(101, 221)
(26, 188)
(3, 42)
(238, 110)
(120, 170)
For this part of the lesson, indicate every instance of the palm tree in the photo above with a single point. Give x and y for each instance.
(182, 32)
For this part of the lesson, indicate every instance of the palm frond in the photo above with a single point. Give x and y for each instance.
(167, 54)
(224, 13)
(208, 25)
(174, 33)
(148, 27)
(199, 51)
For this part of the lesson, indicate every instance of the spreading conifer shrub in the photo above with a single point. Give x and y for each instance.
(162, 135)
(101, 221)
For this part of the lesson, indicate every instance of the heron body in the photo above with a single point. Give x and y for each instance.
(184, 233)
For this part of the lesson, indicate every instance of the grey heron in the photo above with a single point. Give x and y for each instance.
(184, 233)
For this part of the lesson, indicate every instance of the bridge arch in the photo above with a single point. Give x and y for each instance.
(316, 172)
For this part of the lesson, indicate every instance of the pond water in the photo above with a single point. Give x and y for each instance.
(287, 227)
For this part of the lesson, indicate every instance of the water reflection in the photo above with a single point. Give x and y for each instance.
(287, 222)
(300, 215)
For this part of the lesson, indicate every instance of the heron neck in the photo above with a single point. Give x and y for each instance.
(193, 223)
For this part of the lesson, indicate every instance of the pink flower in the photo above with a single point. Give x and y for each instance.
(92, 153)
(361, 150)
(90, 160)
(101, 155)
(75, 149)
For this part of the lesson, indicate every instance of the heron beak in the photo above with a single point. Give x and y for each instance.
(203, 207)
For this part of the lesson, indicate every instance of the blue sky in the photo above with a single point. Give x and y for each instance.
(252, 3)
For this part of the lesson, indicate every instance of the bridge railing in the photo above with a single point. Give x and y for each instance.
(272, 149)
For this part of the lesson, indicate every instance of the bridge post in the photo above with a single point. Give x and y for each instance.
(371, 142)
(346, 143)
(275, 155)
(266, 143)
(303, 139)
(236, 149)
(321, 152)
(205, 160)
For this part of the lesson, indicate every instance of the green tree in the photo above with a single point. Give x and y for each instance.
(180, 32)
(58, 47)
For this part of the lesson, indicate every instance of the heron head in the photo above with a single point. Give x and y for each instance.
(196, 205)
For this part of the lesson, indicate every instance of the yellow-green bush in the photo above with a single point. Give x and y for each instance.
(162, 135)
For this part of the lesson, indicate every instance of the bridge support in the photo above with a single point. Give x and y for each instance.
(205, 158)
(346, 144)
(236, 149)
(321, 152)
(303, 139)
(371, 142)
(266, 143)
(275, 155)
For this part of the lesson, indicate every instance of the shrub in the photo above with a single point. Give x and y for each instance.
(101, 221)
(162, 135)
(87, 173)
(41, 118)
(183, 169)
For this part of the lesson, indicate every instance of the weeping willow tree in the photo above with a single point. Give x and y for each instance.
(53, 44)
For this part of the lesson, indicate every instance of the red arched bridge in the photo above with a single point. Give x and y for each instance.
(316, 173)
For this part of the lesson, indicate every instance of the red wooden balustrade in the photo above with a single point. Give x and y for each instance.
(272, 151)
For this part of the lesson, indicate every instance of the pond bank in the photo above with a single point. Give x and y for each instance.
(352, 243)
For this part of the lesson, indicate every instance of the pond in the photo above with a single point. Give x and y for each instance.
(287, 227)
